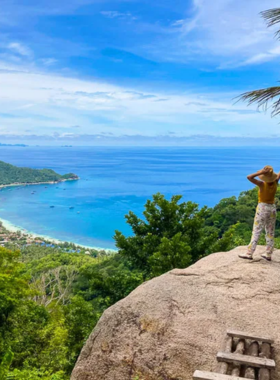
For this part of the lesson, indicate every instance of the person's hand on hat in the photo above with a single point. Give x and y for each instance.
(266, 175)
(266, 170)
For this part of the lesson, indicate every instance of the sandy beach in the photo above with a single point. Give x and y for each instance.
(13, 228)
(39, 183)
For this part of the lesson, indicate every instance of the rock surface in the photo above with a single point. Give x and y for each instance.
(176, 323)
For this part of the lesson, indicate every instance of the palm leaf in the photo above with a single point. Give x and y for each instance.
(263, 97)
(272, 17)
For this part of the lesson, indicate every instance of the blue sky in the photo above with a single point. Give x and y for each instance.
(135, 72)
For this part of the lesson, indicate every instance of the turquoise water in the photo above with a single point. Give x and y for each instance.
(116, 180)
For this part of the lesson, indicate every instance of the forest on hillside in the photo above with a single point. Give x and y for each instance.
(10, 174)
(51, 300)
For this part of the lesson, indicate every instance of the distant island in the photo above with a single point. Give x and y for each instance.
(21, 145)
(11, 175)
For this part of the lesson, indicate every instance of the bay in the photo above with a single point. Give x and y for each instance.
(114, 180)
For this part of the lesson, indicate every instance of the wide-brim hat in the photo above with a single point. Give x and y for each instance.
(271, 176)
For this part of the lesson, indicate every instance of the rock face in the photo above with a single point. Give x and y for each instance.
(176, 323)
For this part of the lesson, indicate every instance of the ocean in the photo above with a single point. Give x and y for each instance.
(114, 181)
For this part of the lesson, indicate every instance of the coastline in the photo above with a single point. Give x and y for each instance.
(13, 228)
(39, 183)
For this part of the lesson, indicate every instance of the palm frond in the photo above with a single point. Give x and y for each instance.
(263, 97)
(272, 17)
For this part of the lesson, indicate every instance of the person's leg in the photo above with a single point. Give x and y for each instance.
(270, 222)
(257, 230)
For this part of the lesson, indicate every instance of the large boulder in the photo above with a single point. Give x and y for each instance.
(176, 323)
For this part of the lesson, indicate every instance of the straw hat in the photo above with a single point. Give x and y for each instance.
(271, 176)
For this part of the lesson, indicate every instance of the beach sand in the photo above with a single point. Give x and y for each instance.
(13, 228)
(39, 183)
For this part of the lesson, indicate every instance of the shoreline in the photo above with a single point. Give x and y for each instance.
(38, 183)
(13, 228)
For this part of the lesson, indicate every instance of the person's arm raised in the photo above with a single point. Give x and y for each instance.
(252, 177)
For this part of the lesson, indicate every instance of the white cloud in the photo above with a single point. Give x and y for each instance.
(49, 61)
(229, 26)
(178, 23)
(262, 57)
(45, 103)
(222, 32)
(225, 33)
(20, 49)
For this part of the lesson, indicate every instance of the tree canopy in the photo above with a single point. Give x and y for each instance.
(10, 174)
(171, 236)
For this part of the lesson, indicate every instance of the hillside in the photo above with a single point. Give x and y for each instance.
(175, 324)
(10, 174)
(74, 289)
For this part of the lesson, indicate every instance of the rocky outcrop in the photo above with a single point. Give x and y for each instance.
(176, 323)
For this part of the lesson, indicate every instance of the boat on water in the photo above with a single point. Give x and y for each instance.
(51, 206)
(71, 208)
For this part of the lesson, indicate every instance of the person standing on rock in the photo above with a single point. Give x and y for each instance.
(265, 217)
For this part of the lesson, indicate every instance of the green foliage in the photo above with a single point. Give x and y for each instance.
(108, 281)
(12, 174)
(80, 318)
(239, 212)
(230, 211)
(171, 236)
(34, 374)
(49, 303)
(13, 291)
(50, 300)
(6, 363)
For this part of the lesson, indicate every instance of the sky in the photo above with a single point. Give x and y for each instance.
(131, 72)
